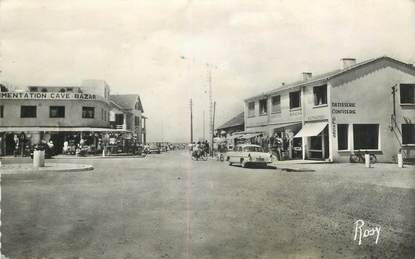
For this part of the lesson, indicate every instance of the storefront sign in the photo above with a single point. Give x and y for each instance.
(334, 123)
(343, 108)
(47, 96)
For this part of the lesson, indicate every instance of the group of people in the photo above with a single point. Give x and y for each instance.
(201, 148)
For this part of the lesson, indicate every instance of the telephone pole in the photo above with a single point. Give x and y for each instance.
(191, 121)
(213, 125)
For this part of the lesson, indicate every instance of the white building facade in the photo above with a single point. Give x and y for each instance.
(348, 110)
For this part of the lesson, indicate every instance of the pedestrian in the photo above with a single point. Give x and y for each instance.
(16, 145)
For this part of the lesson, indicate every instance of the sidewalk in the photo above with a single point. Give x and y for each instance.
(24, 168)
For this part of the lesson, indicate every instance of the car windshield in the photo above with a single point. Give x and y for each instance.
(253, 149)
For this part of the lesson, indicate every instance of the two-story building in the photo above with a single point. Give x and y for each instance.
(60, 112)
(367, 106)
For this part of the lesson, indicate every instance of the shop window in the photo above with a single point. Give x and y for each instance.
(295, 100)
(342, 136)
(320, 95)
(276, 104)
(251, 109)
(28, 111)
(408, 134)
(57, 111)
(1, 111)
(407, 93)
(88, 112)
(263, 107)
(366, 136)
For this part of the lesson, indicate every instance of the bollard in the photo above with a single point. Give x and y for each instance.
(38, 158)
(400, 161)
(367, 160)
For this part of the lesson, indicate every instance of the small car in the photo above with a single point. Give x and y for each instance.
(154, 149)
(248, 154)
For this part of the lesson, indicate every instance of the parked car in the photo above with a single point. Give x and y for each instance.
(248, 154)
(154, 149)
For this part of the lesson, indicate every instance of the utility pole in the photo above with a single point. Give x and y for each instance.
(204, 126)
(213, 124)
(191, 121)
(210, 108)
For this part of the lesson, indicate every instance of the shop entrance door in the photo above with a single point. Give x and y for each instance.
(319, 146)
(10, 144)
(58, 139)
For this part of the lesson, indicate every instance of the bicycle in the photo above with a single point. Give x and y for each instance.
(359, 157)
(199, 155)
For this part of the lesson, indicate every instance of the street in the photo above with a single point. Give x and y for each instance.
(168, 206)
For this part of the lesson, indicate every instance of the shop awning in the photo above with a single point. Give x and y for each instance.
(251, 135)
(311, 129)
(285, 125)
(59, 129)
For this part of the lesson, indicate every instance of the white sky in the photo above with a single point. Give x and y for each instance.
(136, 47)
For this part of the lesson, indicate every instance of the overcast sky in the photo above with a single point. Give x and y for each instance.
(136, 46)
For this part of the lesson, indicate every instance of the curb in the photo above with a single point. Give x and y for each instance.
(96, 157)
(50, 167)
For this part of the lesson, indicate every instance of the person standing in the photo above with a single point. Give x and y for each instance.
(16, 145)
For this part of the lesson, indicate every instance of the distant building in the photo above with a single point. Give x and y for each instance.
(344, 111)
(59, 113)
(236, 124)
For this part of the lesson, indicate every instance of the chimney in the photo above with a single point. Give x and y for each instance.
(307, 75)
(347, 62)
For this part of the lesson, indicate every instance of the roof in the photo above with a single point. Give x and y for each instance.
(336, 73)
(127, 101)
(247, 145)
(238, 120)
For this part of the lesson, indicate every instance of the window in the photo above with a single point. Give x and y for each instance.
(137, 121)
(263, 107)
(408, 134)
(295, 100)
(88, 112)
(251, 109)
(366, 136)
(253, 149)
(342, 136)
(28, 112)
(1, 111)
(33, 89)
(276, 104)
(57, 111)
(407, 93)
(320, 95)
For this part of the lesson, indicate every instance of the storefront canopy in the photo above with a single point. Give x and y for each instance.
(58, 129)
(311, 129)
(286, 125)
(250, 135)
